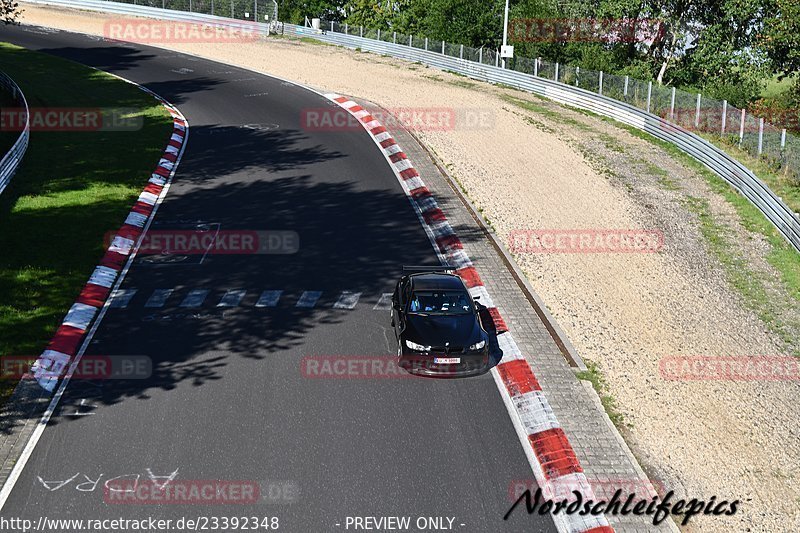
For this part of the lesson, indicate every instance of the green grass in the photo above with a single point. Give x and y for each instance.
(71, 189)
(592, 374)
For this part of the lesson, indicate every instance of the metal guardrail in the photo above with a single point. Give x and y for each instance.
(12, 159)
(714, 158)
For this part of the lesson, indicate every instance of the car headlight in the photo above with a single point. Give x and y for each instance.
(478, 345)
(417, 347)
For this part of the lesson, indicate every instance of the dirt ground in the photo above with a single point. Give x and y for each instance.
(527, 168)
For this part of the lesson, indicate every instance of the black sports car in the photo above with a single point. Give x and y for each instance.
(437, 325)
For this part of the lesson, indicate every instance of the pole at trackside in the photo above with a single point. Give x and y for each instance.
(505, 32)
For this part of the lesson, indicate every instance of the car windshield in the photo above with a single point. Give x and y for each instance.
(440, 302)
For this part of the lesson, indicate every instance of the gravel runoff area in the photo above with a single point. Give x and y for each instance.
(540, 166)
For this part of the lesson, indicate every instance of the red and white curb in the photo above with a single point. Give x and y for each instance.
(66, 343)
(63, 353)
(555, 465)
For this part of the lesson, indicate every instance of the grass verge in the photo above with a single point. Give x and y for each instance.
(71, 189)
(592, 374)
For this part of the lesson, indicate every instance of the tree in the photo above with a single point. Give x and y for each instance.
(9, 11)
(781, 42)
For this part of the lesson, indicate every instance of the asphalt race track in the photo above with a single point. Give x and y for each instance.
(227, 399)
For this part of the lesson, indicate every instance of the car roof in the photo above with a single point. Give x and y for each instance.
(436, 281)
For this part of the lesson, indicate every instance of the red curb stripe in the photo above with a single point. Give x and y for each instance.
(113, 260)
(161, 171)
(433, 215)
(449, 242)
(175, 144)
(366, 118)
(356, 109)
(94, 295)
(409, 173)
(340, 99)
(129, 232)
(601, 529)
(388, 142)
(66, 340)
(554, 453)
(399, 156)
(377, 130)
(153, 189)
(420, 192)
(492, 320)
(470, 277)
(170, 157)
(142, 208)
(518, 377)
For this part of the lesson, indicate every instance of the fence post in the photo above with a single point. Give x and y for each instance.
(345, 28)
(164, 6)
(600, 87)
(361, 31)
(536, 66)
(232, 9)
(461, 52)
(724, 116)
(255, 10)
(783, 139)
(496, 58)
(649, 93)
(212, 8)
(555, 78)
(442, 46)
(672, 105)
(426, 44)
(480, 55)
(394, 37)
(190, 6)
(741, 127)
(760, 135)
(625, 89)
(577, 74)
(379, 35)
(409, 39)
(331, 25)
(697, 113)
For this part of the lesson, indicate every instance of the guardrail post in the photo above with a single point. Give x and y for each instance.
(480, 55)
(461, 52)
(625, 88)
(600, 88)
(394, 37)
(724, 116)
(555, 78)
(536, 66)
(697, 113)
(426, 44)
(741, 127)
(672, 105)
(760, 135)
(783, 139)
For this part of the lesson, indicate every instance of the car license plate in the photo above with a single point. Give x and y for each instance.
(447, 360)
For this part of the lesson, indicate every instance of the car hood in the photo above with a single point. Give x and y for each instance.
(436, 330)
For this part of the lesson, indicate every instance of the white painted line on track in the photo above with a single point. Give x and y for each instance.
(158, 298)
(308, 299)
(269, 299)
(122, 297)
(347, 300)
(195, 298)
(232, 298)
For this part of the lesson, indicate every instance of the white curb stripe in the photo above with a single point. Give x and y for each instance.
(103, 276)
(121, 245)
(79, 316)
